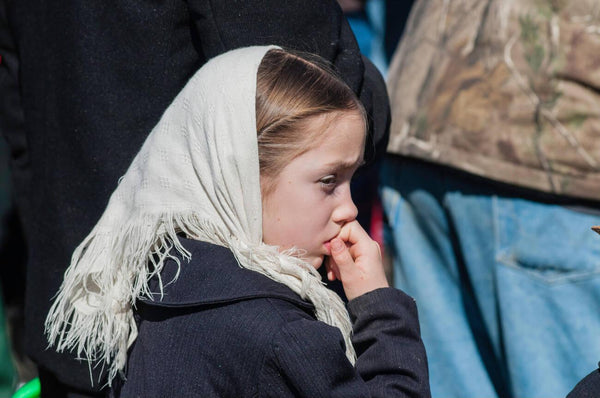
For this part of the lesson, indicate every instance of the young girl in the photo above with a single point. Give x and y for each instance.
(200, 279)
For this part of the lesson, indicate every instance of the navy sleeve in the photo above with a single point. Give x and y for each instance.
(308, 358)
(387, 340)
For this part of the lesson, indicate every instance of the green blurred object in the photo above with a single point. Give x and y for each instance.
(31, 389)
(8, 375)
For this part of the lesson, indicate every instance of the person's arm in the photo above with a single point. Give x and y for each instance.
(387, 340)
(308, 358)
(391, 354)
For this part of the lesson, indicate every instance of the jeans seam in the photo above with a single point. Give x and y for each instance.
(572, 276)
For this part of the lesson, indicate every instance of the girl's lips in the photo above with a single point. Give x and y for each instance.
(328, 247)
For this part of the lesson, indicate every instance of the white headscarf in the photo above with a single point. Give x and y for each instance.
(196, 173)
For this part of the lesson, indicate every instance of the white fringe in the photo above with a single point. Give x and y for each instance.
(110, 270)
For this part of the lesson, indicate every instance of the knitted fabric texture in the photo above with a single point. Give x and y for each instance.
(198, 174)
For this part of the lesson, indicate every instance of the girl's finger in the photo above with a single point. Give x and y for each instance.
(352, 233)
(331, 271)
(340, 254)
(360, 243)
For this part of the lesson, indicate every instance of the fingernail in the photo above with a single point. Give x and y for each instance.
(336, 245)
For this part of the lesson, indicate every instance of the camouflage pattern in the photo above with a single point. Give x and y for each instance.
(505, 89)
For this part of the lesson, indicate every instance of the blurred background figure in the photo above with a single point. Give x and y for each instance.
(367, 20)
(490, 190)
(377, 26)
(8, 376)
(14, 365)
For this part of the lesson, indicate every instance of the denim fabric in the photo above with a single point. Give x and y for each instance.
(508, 289)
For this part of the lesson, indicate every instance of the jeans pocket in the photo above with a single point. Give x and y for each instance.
(547, 281)
(548, 242)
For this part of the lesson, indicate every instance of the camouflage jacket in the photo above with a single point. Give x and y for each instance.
(505, 89)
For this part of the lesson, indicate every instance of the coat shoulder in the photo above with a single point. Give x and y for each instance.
(201, 347)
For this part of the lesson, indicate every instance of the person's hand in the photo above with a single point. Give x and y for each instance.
(356, 261)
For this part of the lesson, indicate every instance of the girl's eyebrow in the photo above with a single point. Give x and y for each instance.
(341, 165)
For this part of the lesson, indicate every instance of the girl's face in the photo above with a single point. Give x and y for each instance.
(310, 199)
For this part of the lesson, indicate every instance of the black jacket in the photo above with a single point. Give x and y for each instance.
(224, 331)
(588, 387)
(82, 83)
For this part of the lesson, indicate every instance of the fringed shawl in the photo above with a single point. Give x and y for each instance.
(197, 174)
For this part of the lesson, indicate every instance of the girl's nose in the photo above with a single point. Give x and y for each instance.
(346, 210)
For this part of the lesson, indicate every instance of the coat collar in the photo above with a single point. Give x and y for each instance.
(213, 276)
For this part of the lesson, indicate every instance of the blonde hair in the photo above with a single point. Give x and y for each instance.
(291, 89)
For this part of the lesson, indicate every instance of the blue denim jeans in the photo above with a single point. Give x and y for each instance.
(508, 289)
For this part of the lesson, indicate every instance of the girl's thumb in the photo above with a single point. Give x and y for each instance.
(340, 253)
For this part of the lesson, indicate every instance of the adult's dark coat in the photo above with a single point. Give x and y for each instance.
(83, 83)
(220, 330)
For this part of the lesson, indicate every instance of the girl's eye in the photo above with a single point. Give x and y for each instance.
(328, 181)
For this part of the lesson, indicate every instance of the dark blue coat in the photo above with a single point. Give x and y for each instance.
(224, 331)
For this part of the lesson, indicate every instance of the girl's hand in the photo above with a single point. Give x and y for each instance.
(356, 261)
